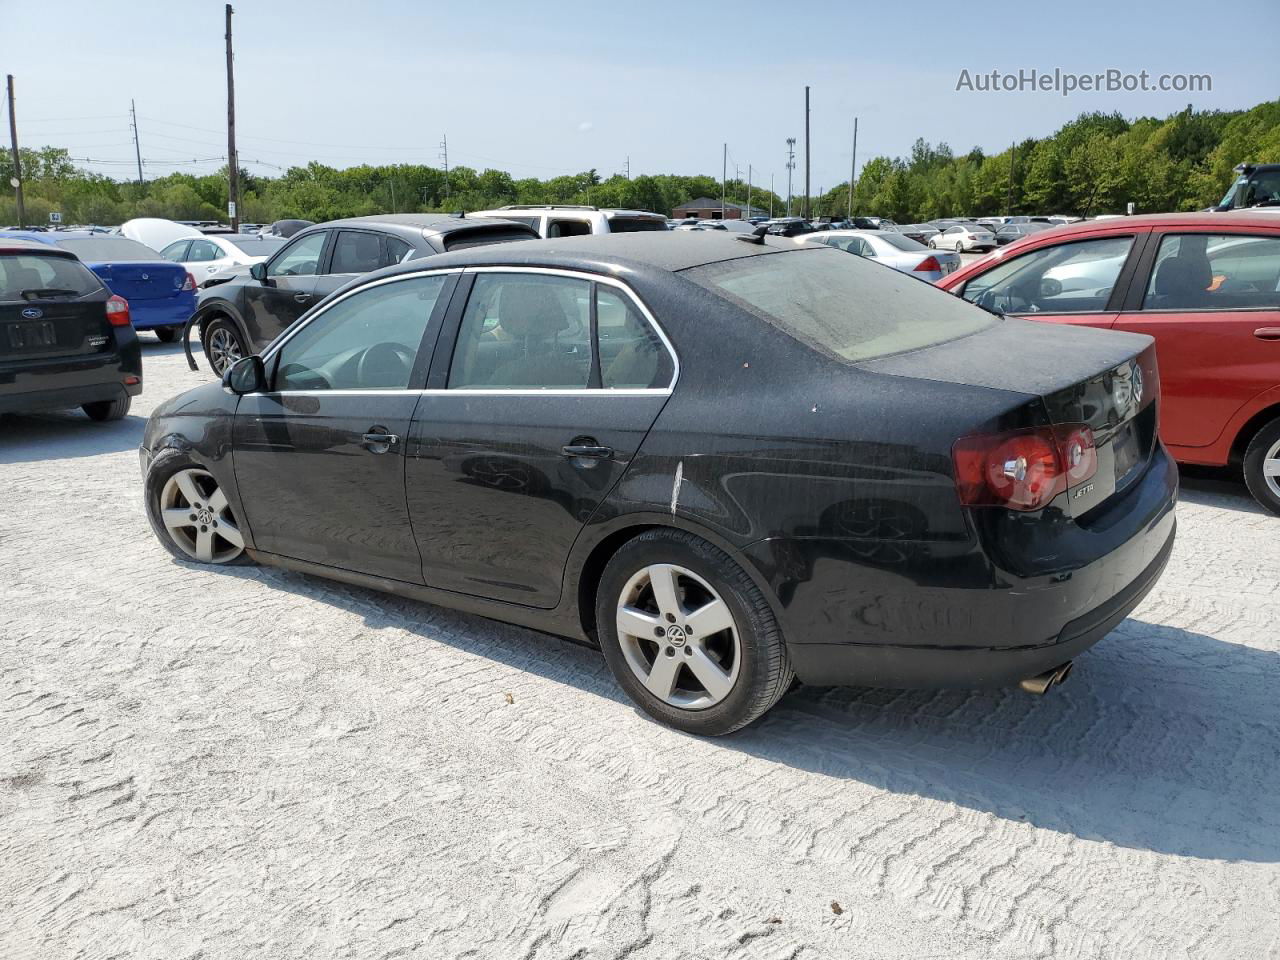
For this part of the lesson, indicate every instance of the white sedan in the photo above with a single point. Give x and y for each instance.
(964, 236)
(892, 249)
(209, 254)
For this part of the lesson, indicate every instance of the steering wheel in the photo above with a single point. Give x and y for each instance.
(384, 365)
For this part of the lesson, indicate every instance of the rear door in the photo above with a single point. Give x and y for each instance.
(353, 253)
(1078, 281)
(1211, 299)
(43, 310)
(319, 458)
(529, 423)
(272, 305)
(205, 258)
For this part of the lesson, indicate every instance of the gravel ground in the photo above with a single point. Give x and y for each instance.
(230, 763)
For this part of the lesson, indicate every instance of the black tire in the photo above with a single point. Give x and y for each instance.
(764, 672)
(1264, 442)
(165, 465)
(212, 334)
(104, 410)
(167, 334)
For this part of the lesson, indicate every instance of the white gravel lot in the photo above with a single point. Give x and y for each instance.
(248, 763)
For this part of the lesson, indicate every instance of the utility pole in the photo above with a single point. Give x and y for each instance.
(1008, 203)
(806, 153)
(724, 174)
(853, 165)
(747, 215)
(627, 168)
(444, 155)
(233, 160)
(137, 150)
(17, 160)
(393, 195)
(791, 165)
(771, 196)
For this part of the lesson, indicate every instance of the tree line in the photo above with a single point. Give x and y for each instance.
(1094, 164)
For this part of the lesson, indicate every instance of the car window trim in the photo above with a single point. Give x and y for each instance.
(438, 386)
(272, 353)
(1138, 291)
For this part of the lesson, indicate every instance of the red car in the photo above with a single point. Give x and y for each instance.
(1205, 285)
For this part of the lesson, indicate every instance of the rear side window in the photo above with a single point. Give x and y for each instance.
(842, 306)
(631, 354)
(355, 252)
(36, 277)
(1199, 271)
(635, 224)
(569, 228)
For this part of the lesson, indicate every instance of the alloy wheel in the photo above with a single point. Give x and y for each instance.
(678, 637)
(199, 520)
(1271, 468)
(224, 349)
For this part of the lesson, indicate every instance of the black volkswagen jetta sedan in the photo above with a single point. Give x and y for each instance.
(247, 312)
(65, 339)
(726, 463)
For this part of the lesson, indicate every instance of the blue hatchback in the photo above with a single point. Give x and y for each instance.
(161, 294)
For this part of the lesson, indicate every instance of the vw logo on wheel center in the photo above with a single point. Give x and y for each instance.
(675, 635)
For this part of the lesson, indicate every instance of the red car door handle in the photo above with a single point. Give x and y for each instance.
(1267, 333)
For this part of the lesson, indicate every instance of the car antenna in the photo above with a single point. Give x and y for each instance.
(755, 236)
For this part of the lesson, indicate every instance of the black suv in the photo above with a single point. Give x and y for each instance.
(1257, 186)
(240, 317)
(65, 339)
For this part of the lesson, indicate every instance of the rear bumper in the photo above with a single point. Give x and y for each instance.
(61, 382)
(881, 665)
(149, 314)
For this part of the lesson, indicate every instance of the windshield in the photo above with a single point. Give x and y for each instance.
(102, 249)
(841, 306)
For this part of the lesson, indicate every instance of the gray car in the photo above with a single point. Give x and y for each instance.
(893, 250)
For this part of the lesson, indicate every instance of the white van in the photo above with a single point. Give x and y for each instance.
(565, 220)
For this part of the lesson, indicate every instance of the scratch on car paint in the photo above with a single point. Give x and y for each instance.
(675, 486)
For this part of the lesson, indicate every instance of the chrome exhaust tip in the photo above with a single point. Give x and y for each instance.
(1041, 682)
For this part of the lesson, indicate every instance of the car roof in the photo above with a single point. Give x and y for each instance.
(609, 253)
(435, 223)
(1162, 220)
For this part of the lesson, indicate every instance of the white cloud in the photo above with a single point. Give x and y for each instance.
(585, 126)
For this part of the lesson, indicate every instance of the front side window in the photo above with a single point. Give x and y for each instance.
(176, 252)
(1064, 278)
(632, 356)
(524, 331)
(367, 341)
(355, 252)
(301, 258)
(201, 251)
(1200, 271)
(841, 306)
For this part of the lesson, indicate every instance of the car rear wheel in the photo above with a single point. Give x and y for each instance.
(222, 344)
(1262, 466)
(104, 410)
(688, 635)
(167, 334)
(190, 513)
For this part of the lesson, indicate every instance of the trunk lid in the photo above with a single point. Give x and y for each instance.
(138, 280)
(1103, 379)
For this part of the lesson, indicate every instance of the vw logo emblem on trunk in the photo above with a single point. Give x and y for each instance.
(32, 313)
(1137, 385)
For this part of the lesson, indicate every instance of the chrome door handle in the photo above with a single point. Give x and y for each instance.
(379, 442)
(1267, 333)
(301, 297)
(588, 450)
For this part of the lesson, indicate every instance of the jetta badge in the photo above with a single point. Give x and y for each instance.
(32, 313)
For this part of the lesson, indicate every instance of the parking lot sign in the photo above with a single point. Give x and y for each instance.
(55, 216)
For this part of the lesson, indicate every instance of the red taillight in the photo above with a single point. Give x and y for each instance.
(929, 265)
(189, 283)
(118, 311)
(1025, 469)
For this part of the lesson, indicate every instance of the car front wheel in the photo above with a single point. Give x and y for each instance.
(1262, 466)
(190, 513)
(688, 635)
(222, 344)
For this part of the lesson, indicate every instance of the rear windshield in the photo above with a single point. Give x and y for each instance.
(899, 241)
(258, 246)
(101, 249)
(846, 307)
(479, 238)
(36, 277)
(635, 224)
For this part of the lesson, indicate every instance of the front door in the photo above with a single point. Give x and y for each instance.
(1212, 302)
(551, 384)
(272, 305)
(319, 458)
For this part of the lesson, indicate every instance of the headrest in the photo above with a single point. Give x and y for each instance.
(1183, 275)
(531, 309)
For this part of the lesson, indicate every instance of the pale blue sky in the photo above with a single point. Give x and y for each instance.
(557, 87)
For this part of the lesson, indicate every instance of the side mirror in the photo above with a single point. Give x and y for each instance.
(258, 271)
(1049, 287)
(246, 375)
